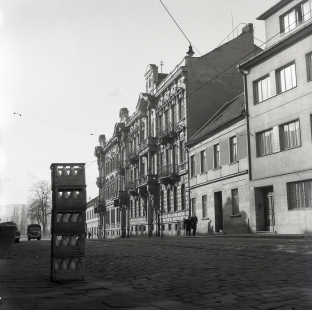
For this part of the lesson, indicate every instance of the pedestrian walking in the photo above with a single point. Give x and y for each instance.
(89, 234)
(187, 226)
(194, 221)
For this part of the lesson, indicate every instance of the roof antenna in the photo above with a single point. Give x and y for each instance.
(161, 65)
(190, 51)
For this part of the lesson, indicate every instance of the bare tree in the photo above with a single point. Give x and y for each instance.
(23, 222)
(40, 204)
(15, 217)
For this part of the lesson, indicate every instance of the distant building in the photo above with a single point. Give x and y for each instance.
(279, 116)
(143, 169)
(92, 219)
(219, 180)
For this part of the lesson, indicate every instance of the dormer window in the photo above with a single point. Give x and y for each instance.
(295, 16)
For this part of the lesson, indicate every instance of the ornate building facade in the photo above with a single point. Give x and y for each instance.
(144, 168)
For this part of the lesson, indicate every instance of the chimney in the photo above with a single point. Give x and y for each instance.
(124, 115)
(190, 51)
(102, 140)
(248, 28)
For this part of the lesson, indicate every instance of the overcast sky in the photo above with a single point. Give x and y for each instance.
(75, 63)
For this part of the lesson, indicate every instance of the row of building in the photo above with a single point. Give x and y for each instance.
(226, 136)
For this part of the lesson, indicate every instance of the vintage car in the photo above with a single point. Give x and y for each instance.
(34, 231)
(17, 236)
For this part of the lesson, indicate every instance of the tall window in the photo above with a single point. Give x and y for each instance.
(216, 156)
(309, 66)
(290, 135)
(286, 78)
(183, 197)
(264, 142)
(289, 20)
(175, 114)
(262, 89)
(192, 165)
(175, 199)
(193, 205)
(233, 149)
(131, 208)
(235, 201)
(181, 109)
(153, 133)
(135, 208)
(162, 200)
(204, 206)
(168, 201)
(203, 161)
(182, 152)
(299, 195)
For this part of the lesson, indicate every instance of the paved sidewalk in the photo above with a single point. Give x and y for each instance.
(168, 273)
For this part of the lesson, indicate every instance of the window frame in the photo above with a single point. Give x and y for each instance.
(216, 155)
(204, 206)
(279, 80)
(235, 201)
(193, 166)
(281, 135)
(303, 201)
(256, 89)
(203, 166)
(232, 159)
(257, 142)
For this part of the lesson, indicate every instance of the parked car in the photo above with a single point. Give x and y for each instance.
(34, 231)
(17, 236)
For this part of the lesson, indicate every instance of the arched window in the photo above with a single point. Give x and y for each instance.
(183, 197)
(168, 200)
(175, 199)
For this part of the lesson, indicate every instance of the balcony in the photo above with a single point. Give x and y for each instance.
(148, 144)
(133, 157)
(168, 174)
(145, 180)
(132, 191)
(120, 198)
(167, 134)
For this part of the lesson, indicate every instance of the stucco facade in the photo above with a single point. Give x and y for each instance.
(280, 125)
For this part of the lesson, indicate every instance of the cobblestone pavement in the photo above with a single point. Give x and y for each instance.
(169, 273)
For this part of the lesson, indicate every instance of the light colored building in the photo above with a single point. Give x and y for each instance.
(92, 219)
(219, 180)
(279, 108)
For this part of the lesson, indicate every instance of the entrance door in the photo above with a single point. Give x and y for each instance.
(218, 211)
(268, 199)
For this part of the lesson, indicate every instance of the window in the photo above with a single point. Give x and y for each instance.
(264, 142)
(233, 150)
(203, 161)
(182, 152)
(168, 201)
(192, 165)
(286, 78)
(235, 202)
(216, 156)
(193, 202)
(309, 66)
(175, 199)
(183, 197)
(204, 206)
(295, 16)
(299, 195)
(290, 135)
(262, 89)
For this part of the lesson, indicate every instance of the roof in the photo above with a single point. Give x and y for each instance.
(92, 201)
(273, 9)
(229, 112)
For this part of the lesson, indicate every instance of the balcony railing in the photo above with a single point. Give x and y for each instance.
(149, 141)
(146, 180)
(133, 157)
(168, 171)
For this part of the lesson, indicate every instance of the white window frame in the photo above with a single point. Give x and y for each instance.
(216, 156)
(293, 140)
(265, 148)
(286, 78)
(233, 159)
(262, 89)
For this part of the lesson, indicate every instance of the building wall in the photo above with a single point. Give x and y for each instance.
(223, 181)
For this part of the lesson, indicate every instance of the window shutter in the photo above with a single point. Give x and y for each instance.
(273, 83)
(209, 156)
(276, 140)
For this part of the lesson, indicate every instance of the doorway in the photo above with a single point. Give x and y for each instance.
(264, 201)
(218, 211)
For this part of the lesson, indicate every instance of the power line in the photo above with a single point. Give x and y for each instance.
(41, 120)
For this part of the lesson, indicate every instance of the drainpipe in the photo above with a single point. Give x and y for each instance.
(245, 73)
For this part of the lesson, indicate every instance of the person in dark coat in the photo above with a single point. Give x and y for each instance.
(194, 222)
(187, 226)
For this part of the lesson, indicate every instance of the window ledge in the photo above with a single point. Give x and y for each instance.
(204, 173)
(300, 209)
(205, 219)
(193, 177)
(234, 162)
(218, 168)
(235, 215)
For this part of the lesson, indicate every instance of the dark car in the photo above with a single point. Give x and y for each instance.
(17, 236)
(34, 231)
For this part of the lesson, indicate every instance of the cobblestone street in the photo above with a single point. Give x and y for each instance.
(169, 273)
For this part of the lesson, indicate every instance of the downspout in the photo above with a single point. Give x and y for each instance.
(245, 73)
